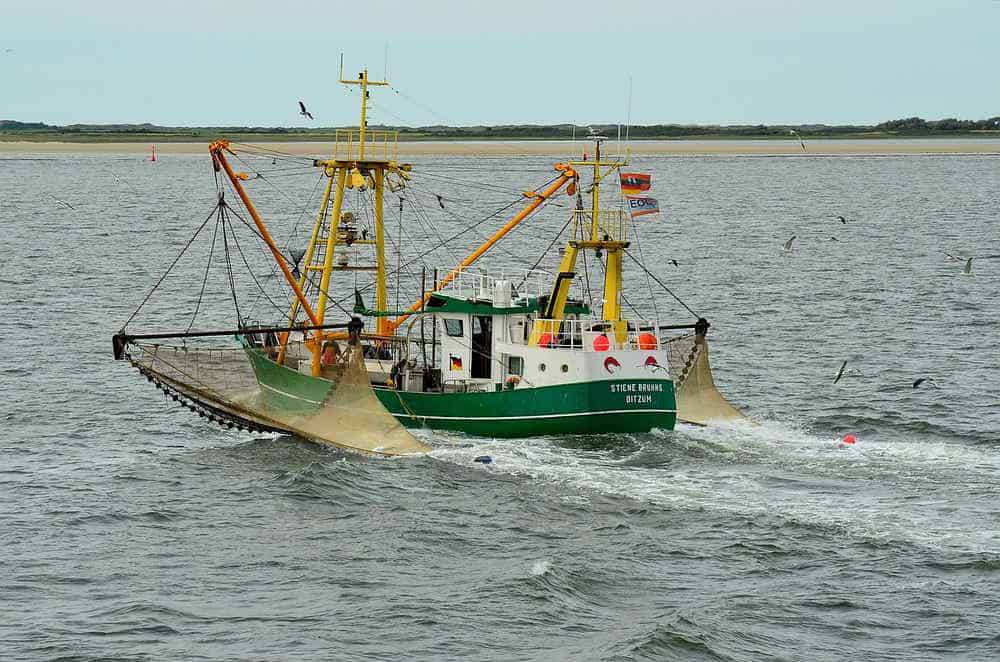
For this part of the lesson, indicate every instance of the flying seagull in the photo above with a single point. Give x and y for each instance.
(440, 200)
(841, 372)
(788, 244)
(834, 239)
(303, 111)
(968, 260)
(844, 220)
(673, 262)
(62, 202)
(796, 134)
(296, 254)
(119, 180)
(921, 380)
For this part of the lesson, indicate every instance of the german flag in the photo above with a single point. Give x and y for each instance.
(455, 362)
(635, 182)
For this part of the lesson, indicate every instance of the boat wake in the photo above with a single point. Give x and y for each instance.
(878, 492)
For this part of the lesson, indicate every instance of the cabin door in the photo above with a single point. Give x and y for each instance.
(482, 347)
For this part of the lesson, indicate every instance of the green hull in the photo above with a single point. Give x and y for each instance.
(624, 405)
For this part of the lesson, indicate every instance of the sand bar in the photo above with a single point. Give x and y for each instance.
(560, 148)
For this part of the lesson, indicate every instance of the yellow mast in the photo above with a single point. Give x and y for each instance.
(360, 160)
(605, 232)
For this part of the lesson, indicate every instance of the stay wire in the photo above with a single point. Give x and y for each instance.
(308, 280)
(660, 283)
(253, 276)
(461, 232)
(635, 229)
(458, 218)
(172, 265)
(208, 266)
(229, 267)
(546, 251)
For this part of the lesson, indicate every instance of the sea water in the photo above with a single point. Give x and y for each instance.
(130, 529)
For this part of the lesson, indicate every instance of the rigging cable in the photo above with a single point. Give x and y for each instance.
(172, 265)
(204, 280)
(229, 264)
(660, 283)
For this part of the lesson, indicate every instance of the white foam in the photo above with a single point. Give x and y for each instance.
(539, 568)
(881, 491)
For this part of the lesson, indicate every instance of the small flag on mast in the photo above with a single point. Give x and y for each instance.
(635, 182)
(641, 206)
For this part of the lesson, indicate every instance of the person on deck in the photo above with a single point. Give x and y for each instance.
(331, 353)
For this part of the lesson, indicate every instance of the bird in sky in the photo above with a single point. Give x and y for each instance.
(788, 244)
(303, 111)
(796, 134)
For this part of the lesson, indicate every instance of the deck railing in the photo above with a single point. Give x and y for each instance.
(598, 336)
(379, 145)
(475, 284)
(611, 224)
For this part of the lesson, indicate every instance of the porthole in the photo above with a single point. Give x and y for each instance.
(541, 367)
(565, 368)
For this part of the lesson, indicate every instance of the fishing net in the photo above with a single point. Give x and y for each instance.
(698, 400)
(220, 384)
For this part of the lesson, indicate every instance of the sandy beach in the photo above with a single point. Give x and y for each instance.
(561, 148)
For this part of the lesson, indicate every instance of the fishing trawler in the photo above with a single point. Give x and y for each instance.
(510, 353)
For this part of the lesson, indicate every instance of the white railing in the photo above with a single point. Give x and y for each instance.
(596, 335)
(475, 284)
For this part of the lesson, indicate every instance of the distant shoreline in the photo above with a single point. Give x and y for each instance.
(824, 146)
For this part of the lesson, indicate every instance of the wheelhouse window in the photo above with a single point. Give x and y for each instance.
(515, 365)
(454, 327)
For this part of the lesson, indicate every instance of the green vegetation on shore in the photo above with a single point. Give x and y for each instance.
(912, 127)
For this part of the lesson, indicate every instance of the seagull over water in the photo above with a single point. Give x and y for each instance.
(303, 111)
(796, 134)
(841, 372)
(62, 202)
(968, 260)
(788, 244)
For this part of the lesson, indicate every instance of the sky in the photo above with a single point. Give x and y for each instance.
(247, 63)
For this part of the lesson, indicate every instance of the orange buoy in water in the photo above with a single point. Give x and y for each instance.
(545, 340)
(601, 343)
(849, 439)
(647, 340)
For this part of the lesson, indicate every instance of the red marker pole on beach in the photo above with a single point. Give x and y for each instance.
(153, 156)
